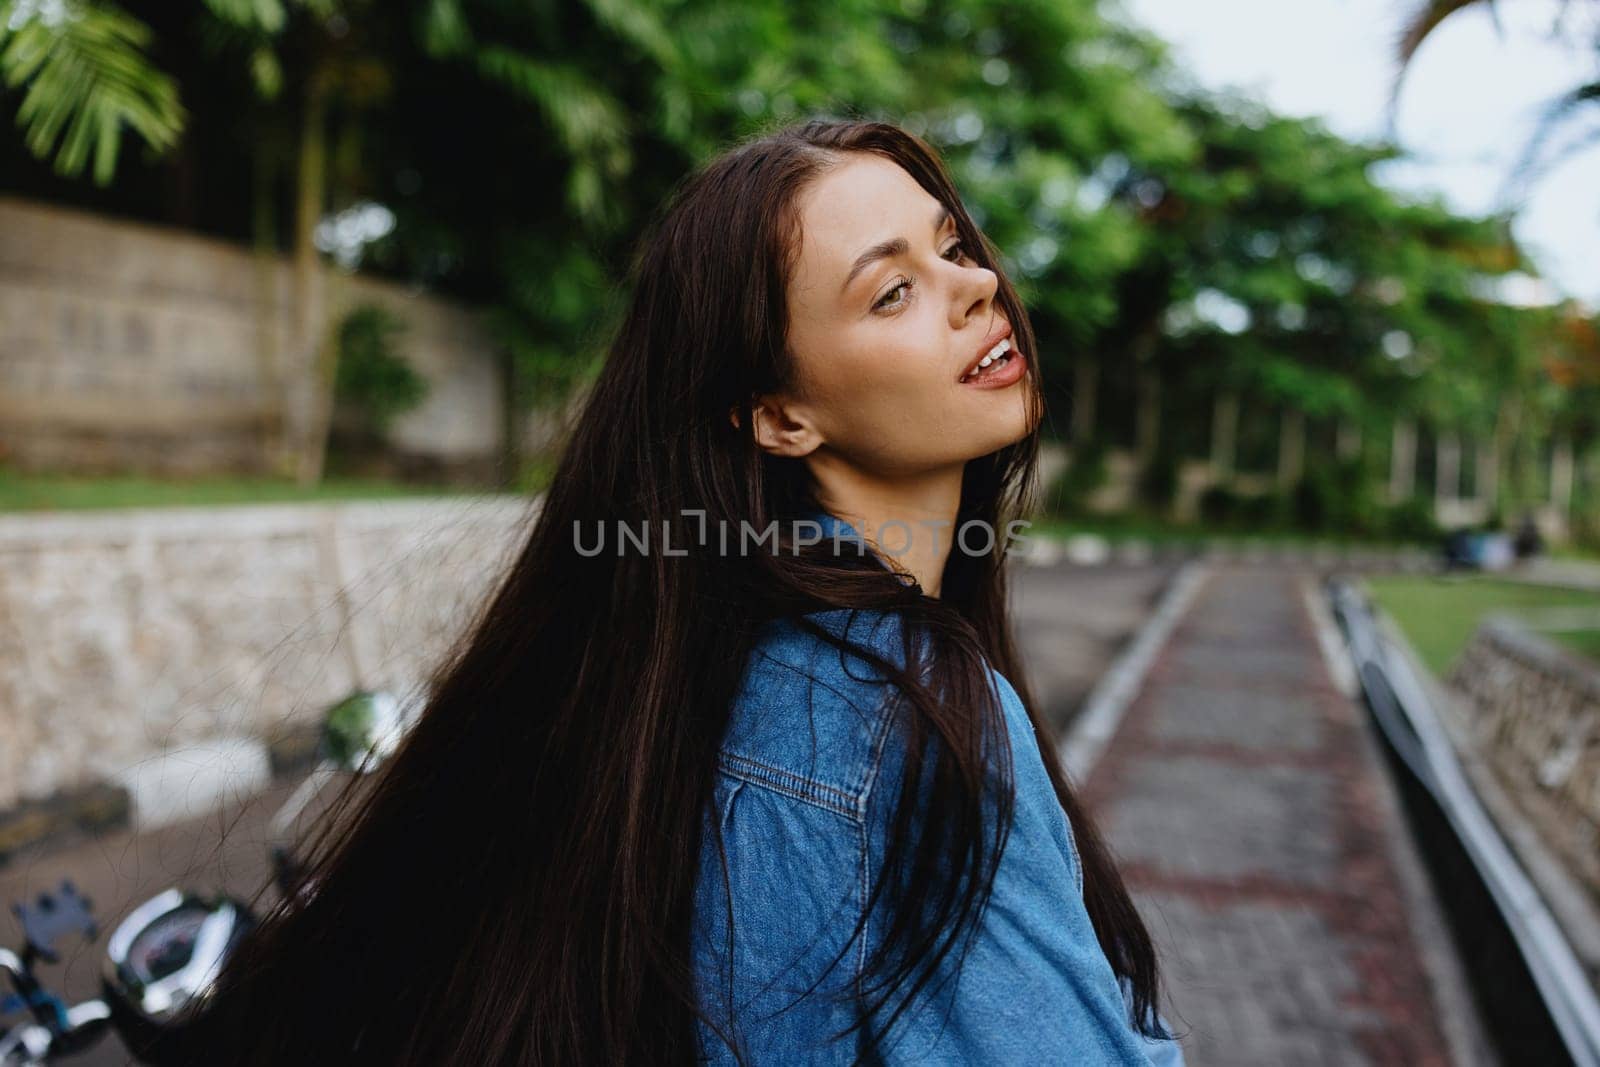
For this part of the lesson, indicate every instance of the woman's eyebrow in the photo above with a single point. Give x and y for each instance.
(897, 246)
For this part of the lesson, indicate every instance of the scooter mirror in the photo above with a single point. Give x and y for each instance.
(363, 730)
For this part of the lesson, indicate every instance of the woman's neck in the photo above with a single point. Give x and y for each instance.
(909, 521)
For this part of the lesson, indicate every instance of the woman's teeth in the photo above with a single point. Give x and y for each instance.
(997, 357)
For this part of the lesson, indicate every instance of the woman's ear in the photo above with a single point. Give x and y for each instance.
(781, 427)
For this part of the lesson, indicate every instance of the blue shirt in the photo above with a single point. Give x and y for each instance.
(807, 779)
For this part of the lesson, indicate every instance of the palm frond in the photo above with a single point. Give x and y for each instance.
(1426, 19)
(87, 78)
(266, 72)
(1423, 21)
(591, 125)
(264, 16)
(637, 24)
(1533, 163)
(444, 29)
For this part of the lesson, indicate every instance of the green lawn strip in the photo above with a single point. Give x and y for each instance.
(1440, 614)
(1585, 551)
(22, 492)
(1583, 642)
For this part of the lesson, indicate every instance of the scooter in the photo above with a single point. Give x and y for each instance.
(170, 949)
(53, 1027)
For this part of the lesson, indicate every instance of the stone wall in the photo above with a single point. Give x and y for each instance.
(125, 635)
(129, 346)
(1534, 710)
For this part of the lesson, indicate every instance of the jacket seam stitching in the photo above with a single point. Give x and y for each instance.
(880, 734)
(863, 885)
(880, 737)
(853, 798)
(1077, 857)
(788, 784)
(792, 669)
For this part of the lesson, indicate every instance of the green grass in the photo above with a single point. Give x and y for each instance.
(1583, 642)
(39, 492)
(1439, 615)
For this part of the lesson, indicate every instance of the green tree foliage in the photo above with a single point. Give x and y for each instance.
(1178, 245)
(86, 78)
(1271, 263)
(373, 376)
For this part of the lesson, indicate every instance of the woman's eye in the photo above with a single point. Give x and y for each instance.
(952, 253)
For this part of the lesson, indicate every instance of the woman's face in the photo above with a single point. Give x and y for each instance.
(883, 341)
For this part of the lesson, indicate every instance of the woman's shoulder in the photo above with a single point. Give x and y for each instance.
(809, 719)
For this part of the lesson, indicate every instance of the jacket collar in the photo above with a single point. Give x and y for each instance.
(834, 527)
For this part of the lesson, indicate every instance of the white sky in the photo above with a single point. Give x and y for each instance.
(1467, 107)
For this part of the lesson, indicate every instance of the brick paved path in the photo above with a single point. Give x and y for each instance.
(1241, 799)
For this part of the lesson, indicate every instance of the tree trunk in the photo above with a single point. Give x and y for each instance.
(313, 407)
(1291, 448)
(1508, 421)
(1487, 474)
(512, 423)
(1403, 461)
(1561, 478)
(1085, 381)
(1447, 469)
(1347, 445)
(1147, 390)
(1224, 436)
(270, 312)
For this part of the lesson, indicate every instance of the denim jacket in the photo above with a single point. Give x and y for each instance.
(807, 778)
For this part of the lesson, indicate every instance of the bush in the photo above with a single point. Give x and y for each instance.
(1158, 482)
(1336, 497)
(372, 376)
(1313, 501)
(1082, 476)
(1245, 512)
(535, 474)
(1220, 506)
(1269, 511)
(1411, 520)
(1586, 531)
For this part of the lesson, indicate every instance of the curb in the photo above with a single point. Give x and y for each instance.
(155, 792)
(1108, 702)
(1458, 1016)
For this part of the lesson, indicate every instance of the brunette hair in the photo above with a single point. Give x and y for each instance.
(517, 885)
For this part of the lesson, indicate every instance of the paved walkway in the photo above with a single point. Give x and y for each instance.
(1260, 842)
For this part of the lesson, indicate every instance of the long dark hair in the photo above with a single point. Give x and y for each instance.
(517, 885)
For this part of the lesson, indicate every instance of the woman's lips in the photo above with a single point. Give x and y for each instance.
(989, 345)
(1016, 366)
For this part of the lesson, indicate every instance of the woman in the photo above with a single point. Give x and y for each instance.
(718, 774)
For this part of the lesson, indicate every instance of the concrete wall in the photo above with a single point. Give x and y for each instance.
(128, 635)
(127, 346)
(1535, 712)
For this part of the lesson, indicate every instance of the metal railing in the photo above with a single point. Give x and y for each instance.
(1404, 711)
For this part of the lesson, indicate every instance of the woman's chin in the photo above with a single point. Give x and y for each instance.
(1001, 440)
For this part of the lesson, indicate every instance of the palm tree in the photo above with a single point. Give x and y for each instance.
(1559, 113)
(89, 79)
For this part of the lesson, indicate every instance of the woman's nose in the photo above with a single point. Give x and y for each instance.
(975, 294)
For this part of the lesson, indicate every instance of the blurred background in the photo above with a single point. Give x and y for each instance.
(298, 298)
